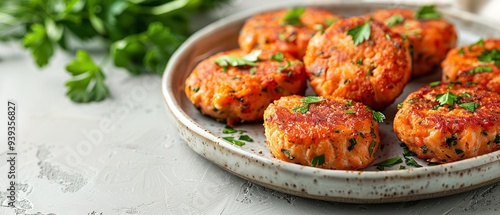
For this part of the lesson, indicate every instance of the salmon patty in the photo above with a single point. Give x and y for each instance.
(237, 86)
(326, 132)
(359, 59)
(475, 64)
(449, 122)
(285, 30)
(431, 37)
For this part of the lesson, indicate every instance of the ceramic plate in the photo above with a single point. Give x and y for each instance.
(254, 162)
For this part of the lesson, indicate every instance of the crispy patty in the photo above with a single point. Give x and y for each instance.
(278, 30)
(431, 38)
(447, 123)
(373, 72)
(470, 65)
(242, 93)
(333, 133)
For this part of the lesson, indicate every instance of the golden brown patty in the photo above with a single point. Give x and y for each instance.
(273, 30)
(333, 133)
(431, 38)
(471, 65)
(373, 72)
(469, 127)
(242, 93)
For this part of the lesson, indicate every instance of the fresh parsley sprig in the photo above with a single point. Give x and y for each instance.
(427, 12)
(292, 17)
(394, 19)
(139, 36)
(307, 100)
(232, 60)
(87, 83)
(360, 33)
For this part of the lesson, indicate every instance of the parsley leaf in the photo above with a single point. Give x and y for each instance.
(447, 98)
(378, 116)
(371, 147)
(39, 43)
(411, 162)
(147, 52)
(360, 33)
(480, 69)
(277, 57)
(434, 84)
(388, 163)
(287, 154)
(427, 12)
(87, 83)
(292, 17)
(492, 55)
(318, 160)
(470, 106)
(394, 19)
(307, 100)
(353, 143)
(234, 141)
(231, 60)
(480, 42)
(245, 138)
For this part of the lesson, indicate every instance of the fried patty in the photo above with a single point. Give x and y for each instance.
(242, 93)
(431, 38)
(373, 72)
(285, 30)
(448, 123)
(331, 133)
(474, 64)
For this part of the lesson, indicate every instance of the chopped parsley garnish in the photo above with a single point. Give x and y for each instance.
(286, 152)
(277, 57)
(466, 94)
(318, 160)
(451, 141)
(492, 55)
(412, 162)
(349, 111)
(292, 17)
(497, 139)
(427, 12)
(461, 51)
(480, 69)
(447, 98)
(470, 106)
(253, 70)
(329, 22)
(394, 19)
(245, 138)
(480, 42)
(388, 36)
(349, 102)
(307, 100)
(359, 61)
(371, 147)
(388, 163)
(230, 130)
(231, 60)
(434, 84)
(378, 116)
(234, 141)
(360, 33)
(353, 143)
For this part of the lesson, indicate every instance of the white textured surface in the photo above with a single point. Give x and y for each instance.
(123, 156)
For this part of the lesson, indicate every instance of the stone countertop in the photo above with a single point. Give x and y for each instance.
(123, 156)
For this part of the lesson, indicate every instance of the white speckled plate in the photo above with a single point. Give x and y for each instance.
(254, 162)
